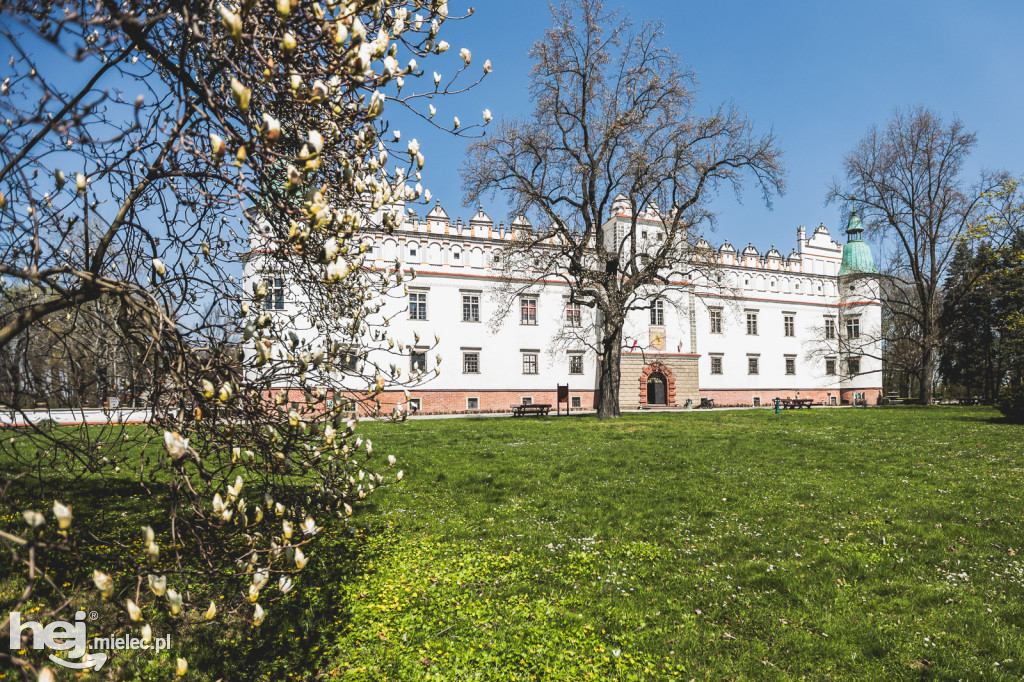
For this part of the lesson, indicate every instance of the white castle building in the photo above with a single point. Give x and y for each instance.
(751, 327)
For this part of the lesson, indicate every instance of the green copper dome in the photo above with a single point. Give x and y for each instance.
(857, 257)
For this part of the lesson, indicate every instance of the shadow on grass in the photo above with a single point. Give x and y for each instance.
(294, 639)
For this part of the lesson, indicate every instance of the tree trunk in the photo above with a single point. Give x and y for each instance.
(609, 372)
(927, 375)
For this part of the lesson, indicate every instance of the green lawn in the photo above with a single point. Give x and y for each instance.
(867, 544)
(855, 544)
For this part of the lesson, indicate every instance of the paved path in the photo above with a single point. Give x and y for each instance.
(61, 416)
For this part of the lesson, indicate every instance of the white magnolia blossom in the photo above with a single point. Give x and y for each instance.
(134, 612)
(158, 583)
(258, 614)
(63, 514)
(104, 583)
(175, 444)
(174, 601)
(181, 668)
(466, 55)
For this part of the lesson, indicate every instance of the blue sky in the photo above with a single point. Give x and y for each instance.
(820, 73)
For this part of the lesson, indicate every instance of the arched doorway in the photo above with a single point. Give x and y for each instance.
(657, 389)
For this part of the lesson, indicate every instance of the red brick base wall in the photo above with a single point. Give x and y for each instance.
(451, 402)
(746, 397)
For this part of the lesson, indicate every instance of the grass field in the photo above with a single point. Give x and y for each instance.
(851, 544)
(870, 544)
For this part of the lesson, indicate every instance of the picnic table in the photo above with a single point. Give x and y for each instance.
(796, 403)
(538, 409)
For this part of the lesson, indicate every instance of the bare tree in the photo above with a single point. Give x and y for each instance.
(175, 130)
(614, 115)
(906, 181)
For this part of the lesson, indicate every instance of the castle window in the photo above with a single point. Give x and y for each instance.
(790, 364)
(275, 292)
(529, 363)
(575, 364)
(715, 315)
(417, 305)
(470, 308)
(658, 313)
(830, 328)
(830, 366)
(472, 404)
(528, 310)
(853, 366)
(753, 364)
(751, 323)
(789, 325)
(716, 364)
(471, 363)
(853, 327)
(418, 361)
(573, 315)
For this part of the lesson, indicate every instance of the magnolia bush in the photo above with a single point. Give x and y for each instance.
(149, 151)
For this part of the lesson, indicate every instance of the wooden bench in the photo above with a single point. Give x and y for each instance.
(796, 403)
(538, 409)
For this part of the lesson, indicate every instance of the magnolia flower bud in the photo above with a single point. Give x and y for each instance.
(33, 518)
(271, 128)
(319, 92)
(254, 593)
(400, 475)
(174, 601)
(134, 612)
(153, 552)
(285, 583)
(376, 105)
(487, 66)
(309, 526)
(147, 633)
(159, 266)
(284, 7)
(442, 47)
(258, 615)
(391, 460)
(286, 527)
(231, 21)
(466, 55)
(316, 140)
(437, 78)
(63, 514)
(487, 116)
(240, 94)
(288, 43)
(58, 176)
(182, 667)
(210, 612)
(158, 584)
(80, 182)
(46, 675)
(348, 510)
(300, 558)
(175, 444)
(104, 583)
(259, 514)
(278, 509)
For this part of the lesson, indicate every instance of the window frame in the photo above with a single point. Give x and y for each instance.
(573, 315)
(525, 311)
(658, 313)
(831, 328)
(575, 364)
(275, 298)
(717, 360)
(789, 325)
(470, 309)
(418, 309)
(412, 360)
(752, 323)
(831, 367)
(790, 361)
(851, 362)
(531, 363)
(753, 365)
(853, 327)
(715, 320)
(466, 354)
